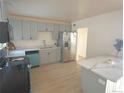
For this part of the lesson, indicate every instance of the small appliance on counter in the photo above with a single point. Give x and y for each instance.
(11, 46)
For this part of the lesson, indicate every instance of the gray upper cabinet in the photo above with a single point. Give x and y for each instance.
(62, 27)
(41, 27)
(16, 28)
(68, 28)
(26, 30)
(57, 27)
(33, 31)
(65, 27)
(50, 27)
(55, 33)
(11, 30)
(23, 30)
(29, 30)
(3, 11)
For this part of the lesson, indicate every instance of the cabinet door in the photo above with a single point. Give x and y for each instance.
(26, 30)
(58, 54)
(62, 28)
(11, 34)
(52, 55)
(16, 26)
(41, 26)
(3, 10)
(50, 27)
(33, 31)
(57, 27)
(55, 33)
(44, 56)
(68, 28)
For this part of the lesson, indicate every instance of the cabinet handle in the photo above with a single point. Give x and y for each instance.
(48, 53)
(30, 37)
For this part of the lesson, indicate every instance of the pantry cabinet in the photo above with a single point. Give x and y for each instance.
(50, 55)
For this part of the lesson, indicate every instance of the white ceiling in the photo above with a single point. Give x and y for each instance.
(69, 10)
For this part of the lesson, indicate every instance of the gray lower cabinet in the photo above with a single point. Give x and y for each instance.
(50, 55)
(91, 82)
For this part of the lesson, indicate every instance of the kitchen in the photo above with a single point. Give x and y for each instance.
(39, 41)
(45, 47)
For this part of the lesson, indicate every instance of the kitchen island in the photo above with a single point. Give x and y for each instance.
(101, 74)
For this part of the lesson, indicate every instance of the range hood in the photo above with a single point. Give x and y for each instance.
(3, 11)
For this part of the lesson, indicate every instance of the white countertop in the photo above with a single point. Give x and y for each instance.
(21, 51)
(100, 66)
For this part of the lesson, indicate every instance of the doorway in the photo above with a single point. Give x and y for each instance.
(81, 43)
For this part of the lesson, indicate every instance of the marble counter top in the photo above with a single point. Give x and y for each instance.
(101, 66)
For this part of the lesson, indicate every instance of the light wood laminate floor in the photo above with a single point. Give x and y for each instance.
(56, 78)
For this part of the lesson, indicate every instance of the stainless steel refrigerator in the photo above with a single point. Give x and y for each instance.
(67, 41)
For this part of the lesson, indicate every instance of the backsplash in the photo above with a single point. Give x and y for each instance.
(47, 36)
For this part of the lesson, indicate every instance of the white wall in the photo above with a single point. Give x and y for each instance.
(102, 32)
(47, 36)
